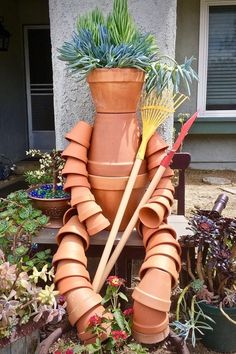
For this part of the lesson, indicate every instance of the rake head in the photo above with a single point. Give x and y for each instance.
(155, 109)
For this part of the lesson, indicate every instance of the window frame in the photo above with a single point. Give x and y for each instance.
(203, 59)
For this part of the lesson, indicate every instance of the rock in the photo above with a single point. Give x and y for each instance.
(216, 180)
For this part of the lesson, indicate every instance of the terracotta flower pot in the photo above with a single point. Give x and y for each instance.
(68, 214)
(164, 193)
(156, 143)
(68, 268)
(80, 195)
(70, 283)
(80, 301)
(164, 263)
(74, 226)
(116, 89)
(166, 250)
(139, 228)
(87, 209)
(74, 180)
(114, 156)
(152, 214)
(81, 133)
(53, 208)
(155, 159)
(83, 323)
(96, 223)
(154, 290)
(74, 166)
(166, 183)
(107, 189)
(71, 247)
(147, 320)
(76, 151)
(167, 174)
(147, 233)
(150, 338)
(162, 237)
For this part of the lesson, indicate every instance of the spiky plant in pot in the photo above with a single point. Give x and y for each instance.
(116, 42)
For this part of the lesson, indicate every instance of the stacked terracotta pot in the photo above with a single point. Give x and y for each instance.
(115, 139)
(72, 278)
(159, 272)
(77, 183)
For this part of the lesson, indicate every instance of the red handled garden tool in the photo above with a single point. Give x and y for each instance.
(155, 110)
(156, 179)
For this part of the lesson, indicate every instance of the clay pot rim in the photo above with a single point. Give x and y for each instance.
(156, 253)
(173, 242)
(151, 301)
(115, 183)
(103, 225)
(115, 73)
(152, 218)
(84, 284)
(153, 329)
(152, 338)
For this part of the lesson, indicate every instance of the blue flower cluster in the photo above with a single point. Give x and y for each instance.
(46, 192)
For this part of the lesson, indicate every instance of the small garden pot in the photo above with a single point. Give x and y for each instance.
(71, 247)
(156, 143)
(68, 214)
(162, 237)
(74, 226)
(83, 323)
(147, 320)
(87, 209)
(168, 200)
(74, 180)
(81, 133)
(222, 337)
(155, 159)
(80, 195)
(154, 290)
(164, 193)
(53, 208)
(165, 249)
(164, 263)
(96, 223)
(166, 183)
(76, 151)
(116, 90)
(167, 174)
(80, 301)
(68, 268)
(150, 338)
(152, 214)
(70, 283)
(147, 233)
(74, 166)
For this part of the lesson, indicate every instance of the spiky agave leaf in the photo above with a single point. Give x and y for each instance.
(91, 22)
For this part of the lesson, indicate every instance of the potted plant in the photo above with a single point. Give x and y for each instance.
(116, 43)
(27, 299)
(213, 275)
(46, 186)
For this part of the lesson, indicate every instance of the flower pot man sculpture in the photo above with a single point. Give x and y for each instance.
(109, 166)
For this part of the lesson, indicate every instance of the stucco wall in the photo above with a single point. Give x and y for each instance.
(72, 101)
(13, 114)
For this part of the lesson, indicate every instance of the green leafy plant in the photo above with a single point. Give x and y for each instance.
(190, 319)
(116, 42)
(19, 221)
(119, 340)
(49, 175)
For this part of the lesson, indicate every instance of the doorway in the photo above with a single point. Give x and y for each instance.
(39, 87)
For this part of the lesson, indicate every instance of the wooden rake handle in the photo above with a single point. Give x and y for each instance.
(97, 281)
(131, 225)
